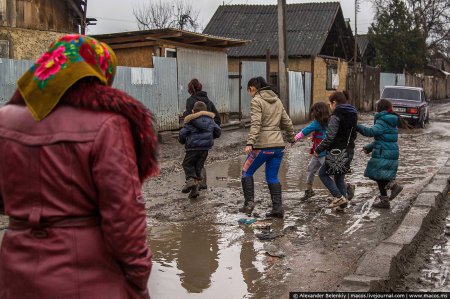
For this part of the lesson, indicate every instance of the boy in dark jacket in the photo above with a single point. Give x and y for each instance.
(197, 136)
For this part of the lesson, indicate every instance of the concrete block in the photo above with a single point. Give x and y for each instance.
(428, 199)
(439, 183)
(165, 137)
(361, 283)
(445, 170)
(380, 262)
(416, 216)
(448, 162)
(404, 235)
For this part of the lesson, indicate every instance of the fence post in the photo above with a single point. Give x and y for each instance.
(240, 90)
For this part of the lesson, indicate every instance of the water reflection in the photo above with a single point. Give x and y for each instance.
(248, 265)
(197, 256)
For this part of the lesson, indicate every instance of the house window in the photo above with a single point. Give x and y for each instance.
(4, 48)
(332, 77)
(171, 53)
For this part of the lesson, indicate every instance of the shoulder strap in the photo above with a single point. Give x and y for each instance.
(349, 136)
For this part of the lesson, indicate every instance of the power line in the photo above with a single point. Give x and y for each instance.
(112, 19)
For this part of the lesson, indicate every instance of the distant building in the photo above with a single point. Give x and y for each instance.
(137, 48)
(318, 40)
(28, 27)
(366, 50)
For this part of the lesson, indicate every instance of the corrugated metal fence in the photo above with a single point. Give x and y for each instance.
(155, 87)
(211, 69)
(10, 71)
(391, 79)
(299, 96)
(250, 69)
(234, 89)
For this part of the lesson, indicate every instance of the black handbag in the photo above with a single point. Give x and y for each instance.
(337, 160)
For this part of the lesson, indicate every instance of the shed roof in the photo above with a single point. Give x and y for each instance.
(308, 26)
(142, 38)
(363, 41)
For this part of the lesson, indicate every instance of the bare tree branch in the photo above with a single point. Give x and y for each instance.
(162, 14)
(154, 15)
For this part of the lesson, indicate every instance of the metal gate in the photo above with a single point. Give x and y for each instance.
(250, 69)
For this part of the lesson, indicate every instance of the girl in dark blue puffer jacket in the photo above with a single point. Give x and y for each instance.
(382, 167)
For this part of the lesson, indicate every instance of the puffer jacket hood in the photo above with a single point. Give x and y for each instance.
(201, 96)
(387, 117)
(195, 118)
(268, 95)
(347, 107)
(199, 131)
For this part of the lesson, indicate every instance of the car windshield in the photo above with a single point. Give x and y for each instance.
(401, 94)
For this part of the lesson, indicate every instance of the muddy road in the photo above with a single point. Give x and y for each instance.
(201, 251)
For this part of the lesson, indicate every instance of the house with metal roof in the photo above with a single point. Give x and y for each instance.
(365, 49)
(136, 48)
(158, 64)
(319, 40)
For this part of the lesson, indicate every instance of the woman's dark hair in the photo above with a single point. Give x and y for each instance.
(259, 83)
(339, 97)
(194, 86)
(320, 112)
(386, 105)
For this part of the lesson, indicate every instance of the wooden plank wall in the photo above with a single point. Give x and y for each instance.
(48, 15)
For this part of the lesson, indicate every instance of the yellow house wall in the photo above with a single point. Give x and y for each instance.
(320, 92)
(135, 57)
(27, 43)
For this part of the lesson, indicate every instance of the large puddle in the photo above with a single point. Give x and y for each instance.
(200, 250)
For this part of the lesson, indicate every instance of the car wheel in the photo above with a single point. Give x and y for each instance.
(421, 124)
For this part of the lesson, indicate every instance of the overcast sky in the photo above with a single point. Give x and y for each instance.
(117, 15)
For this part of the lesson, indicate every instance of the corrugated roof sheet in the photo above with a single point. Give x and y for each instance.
(308, 25)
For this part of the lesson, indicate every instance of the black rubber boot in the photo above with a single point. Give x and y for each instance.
(308, 194)
(395, 190)
(194, 191)
(382, 203)
(277, 206)
(190, 184)
(203, 185)
(248, 188)
(350, 191)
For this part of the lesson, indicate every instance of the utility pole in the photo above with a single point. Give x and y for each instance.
(83, 18)
(355, 54)
(282, 55)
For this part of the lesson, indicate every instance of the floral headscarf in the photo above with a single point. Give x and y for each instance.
(69, 59)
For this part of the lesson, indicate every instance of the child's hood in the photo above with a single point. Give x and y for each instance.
(200, 120)
(388, 118)
(196, 115)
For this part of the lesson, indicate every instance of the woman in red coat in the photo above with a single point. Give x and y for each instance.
(73, 155)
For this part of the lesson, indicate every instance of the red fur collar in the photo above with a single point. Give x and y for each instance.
(92, 95)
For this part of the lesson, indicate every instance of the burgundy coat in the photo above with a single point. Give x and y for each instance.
(70, 185)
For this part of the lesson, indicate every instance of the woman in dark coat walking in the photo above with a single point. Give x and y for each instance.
(340, 137)
(197, 94)
(73, 155)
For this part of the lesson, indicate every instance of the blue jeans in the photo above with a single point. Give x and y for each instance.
(337, 187)
(272, 157)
